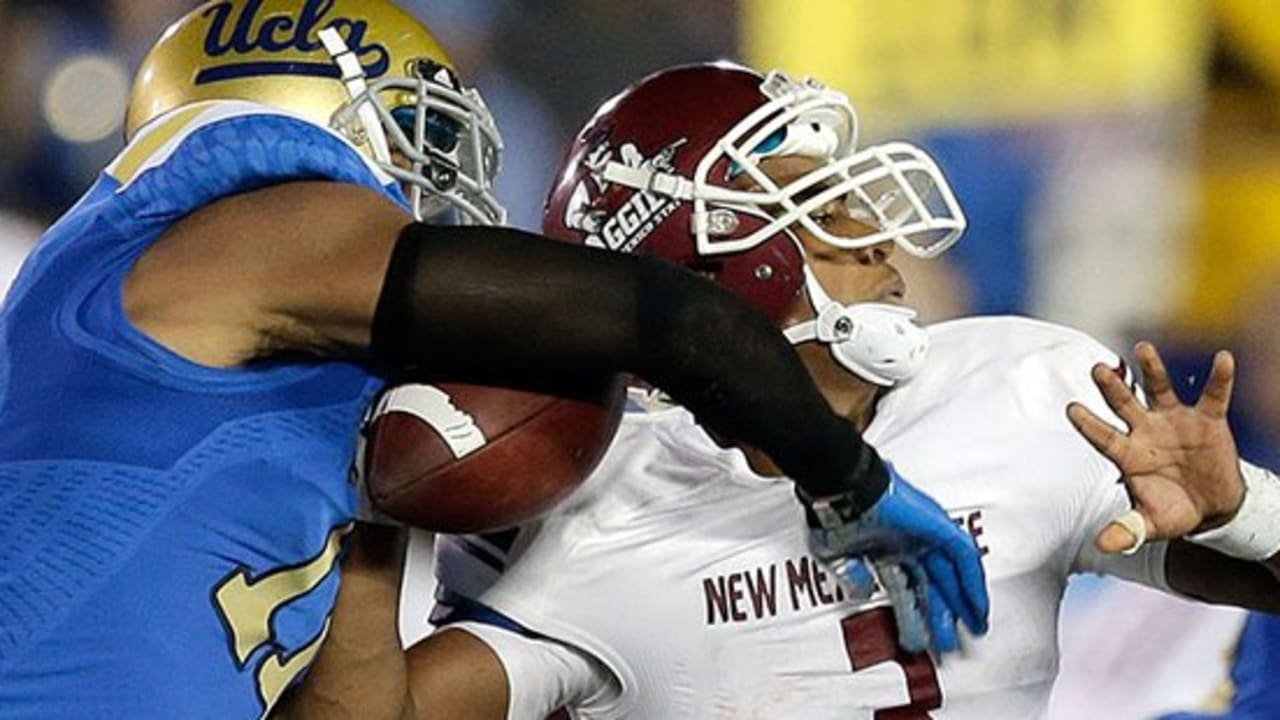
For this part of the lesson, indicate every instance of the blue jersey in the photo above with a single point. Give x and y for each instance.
(170, 531)
(1256, 672)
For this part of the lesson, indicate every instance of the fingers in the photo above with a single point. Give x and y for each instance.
(1118, 395)
(932, 609)
(945, 581)
(908, 606)
(1126, 534)
(858, 578)
(941, 574)
(956, 565)
(1215, 401)
(966, 560)
(1101, 435)
(1155, 376)
(942, 623)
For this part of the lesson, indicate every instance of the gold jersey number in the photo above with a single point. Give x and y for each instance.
(247, 606)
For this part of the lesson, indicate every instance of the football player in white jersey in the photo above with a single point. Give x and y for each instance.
(678, 582)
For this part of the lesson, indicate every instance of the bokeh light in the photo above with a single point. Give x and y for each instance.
(85, 98)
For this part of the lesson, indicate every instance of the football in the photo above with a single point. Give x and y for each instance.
(462, 458)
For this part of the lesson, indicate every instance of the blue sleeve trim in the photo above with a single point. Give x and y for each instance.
(244, 153)
(452, 608)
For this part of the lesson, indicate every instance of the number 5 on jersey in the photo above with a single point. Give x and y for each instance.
(871, 638)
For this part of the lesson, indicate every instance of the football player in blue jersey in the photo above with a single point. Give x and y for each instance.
(185, 359)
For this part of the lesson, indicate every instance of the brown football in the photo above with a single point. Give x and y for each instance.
(459, 458)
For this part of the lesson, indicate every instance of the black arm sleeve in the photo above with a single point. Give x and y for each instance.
(488, 305)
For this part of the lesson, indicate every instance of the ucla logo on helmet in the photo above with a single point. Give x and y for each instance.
(291, 35)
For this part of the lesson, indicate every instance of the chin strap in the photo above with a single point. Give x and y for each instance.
(878, 342)
(648, 180)
(353, 76)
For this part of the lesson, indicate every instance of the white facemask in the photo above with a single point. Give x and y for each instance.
(878, 342)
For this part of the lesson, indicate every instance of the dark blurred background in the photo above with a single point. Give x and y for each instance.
(1119, 160)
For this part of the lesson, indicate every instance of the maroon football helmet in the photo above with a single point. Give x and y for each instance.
(653, 172)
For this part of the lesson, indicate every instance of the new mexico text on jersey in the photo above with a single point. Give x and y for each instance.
(688, 575)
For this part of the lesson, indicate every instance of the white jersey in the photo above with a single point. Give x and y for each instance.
(688, 576)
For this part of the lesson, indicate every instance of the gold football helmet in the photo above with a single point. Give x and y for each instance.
(362, 67)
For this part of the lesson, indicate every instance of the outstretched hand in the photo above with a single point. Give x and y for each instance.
(1179, 462)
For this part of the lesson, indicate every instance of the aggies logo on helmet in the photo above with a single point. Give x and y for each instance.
(628, 226)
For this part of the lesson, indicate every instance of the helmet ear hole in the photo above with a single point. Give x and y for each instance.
(443, 178)
(428, 69)
(722, 222)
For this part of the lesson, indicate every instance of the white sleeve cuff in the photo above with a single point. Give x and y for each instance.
(544, 676)
(1254, 533)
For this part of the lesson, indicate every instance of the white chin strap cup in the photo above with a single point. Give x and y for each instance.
(878, 342)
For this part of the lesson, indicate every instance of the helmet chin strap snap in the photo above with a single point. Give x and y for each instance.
(878, 342)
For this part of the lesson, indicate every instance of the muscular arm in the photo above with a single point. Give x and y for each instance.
(360, 672)
(453, 674)
(304, 268)
(290, 268)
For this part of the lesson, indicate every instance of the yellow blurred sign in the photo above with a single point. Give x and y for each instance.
(1252, 28)
(1236, 252)
(931, 62)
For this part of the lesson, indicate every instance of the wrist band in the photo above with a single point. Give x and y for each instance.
(1254, 533)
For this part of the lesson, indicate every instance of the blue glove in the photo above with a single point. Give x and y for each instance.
(906, 543)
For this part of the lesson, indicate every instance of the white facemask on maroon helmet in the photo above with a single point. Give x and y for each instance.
(654, 170)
